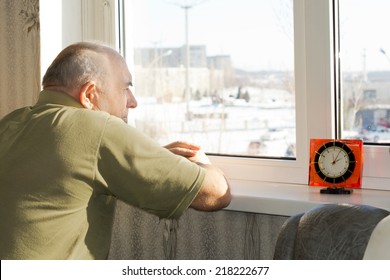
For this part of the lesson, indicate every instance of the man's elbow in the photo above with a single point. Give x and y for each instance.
(213, 201)
(225, 199)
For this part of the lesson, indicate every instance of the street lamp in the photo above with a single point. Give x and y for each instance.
(385, 54)
(186, 7)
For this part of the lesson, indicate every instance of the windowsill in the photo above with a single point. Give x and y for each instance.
(289, 199)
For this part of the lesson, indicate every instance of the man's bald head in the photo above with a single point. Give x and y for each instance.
(79, 63)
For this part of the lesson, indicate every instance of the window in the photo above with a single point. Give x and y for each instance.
(365, 69)
(365, 83)
(307, 62)
(208, 72)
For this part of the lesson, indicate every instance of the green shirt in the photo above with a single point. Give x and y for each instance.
(61, 168)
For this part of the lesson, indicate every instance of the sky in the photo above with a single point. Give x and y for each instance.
(257, 34)
(365, 30)
(247, 30)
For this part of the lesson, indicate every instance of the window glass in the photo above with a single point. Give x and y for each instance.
(365, 68)
(219, 73)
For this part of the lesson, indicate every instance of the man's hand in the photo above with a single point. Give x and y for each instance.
(200, 158)
(183, 149)
(214, 193)
(190, 151)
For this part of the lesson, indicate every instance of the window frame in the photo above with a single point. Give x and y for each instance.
(318, 84)
(313, 85)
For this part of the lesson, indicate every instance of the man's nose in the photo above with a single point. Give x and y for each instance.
(131, 101)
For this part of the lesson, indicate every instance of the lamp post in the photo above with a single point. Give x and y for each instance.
(186, 7)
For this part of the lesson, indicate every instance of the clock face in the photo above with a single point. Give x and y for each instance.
(334, 162)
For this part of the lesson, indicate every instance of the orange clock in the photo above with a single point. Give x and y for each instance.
(336, 164)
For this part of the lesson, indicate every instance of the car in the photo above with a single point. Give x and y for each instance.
(374, 134)
(378, 134)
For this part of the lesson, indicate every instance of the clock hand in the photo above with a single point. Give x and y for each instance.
(335, 160)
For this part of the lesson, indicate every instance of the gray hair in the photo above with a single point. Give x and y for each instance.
(77, 64)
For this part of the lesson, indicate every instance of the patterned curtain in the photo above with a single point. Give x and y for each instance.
(220, 235)
(19, 54)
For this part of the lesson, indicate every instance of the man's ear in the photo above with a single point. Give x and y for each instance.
(88, 95)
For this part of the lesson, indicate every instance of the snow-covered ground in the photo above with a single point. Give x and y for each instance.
(236, 128)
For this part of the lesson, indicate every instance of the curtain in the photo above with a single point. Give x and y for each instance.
(19, 54)
(196, 235)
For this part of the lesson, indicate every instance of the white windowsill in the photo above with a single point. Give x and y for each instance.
(289, 199)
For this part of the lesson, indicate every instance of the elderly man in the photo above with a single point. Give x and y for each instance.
(65, 160)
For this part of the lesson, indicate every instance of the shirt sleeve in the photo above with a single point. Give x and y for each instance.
(137, 170)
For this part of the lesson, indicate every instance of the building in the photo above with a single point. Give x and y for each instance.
(366, 100)
(167, 67)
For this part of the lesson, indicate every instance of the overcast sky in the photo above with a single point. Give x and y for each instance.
(257, 34)
(248, 30)
(365, 29)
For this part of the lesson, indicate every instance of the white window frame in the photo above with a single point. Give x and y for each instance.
(315, 82)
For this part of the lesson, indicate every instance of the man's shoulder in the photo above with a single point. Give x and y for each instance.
(14, 118)
(90, 115)
(98, 118)
(15, 114)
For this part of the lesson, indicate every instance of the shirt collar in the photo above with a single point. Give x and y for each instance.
(57, 97)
